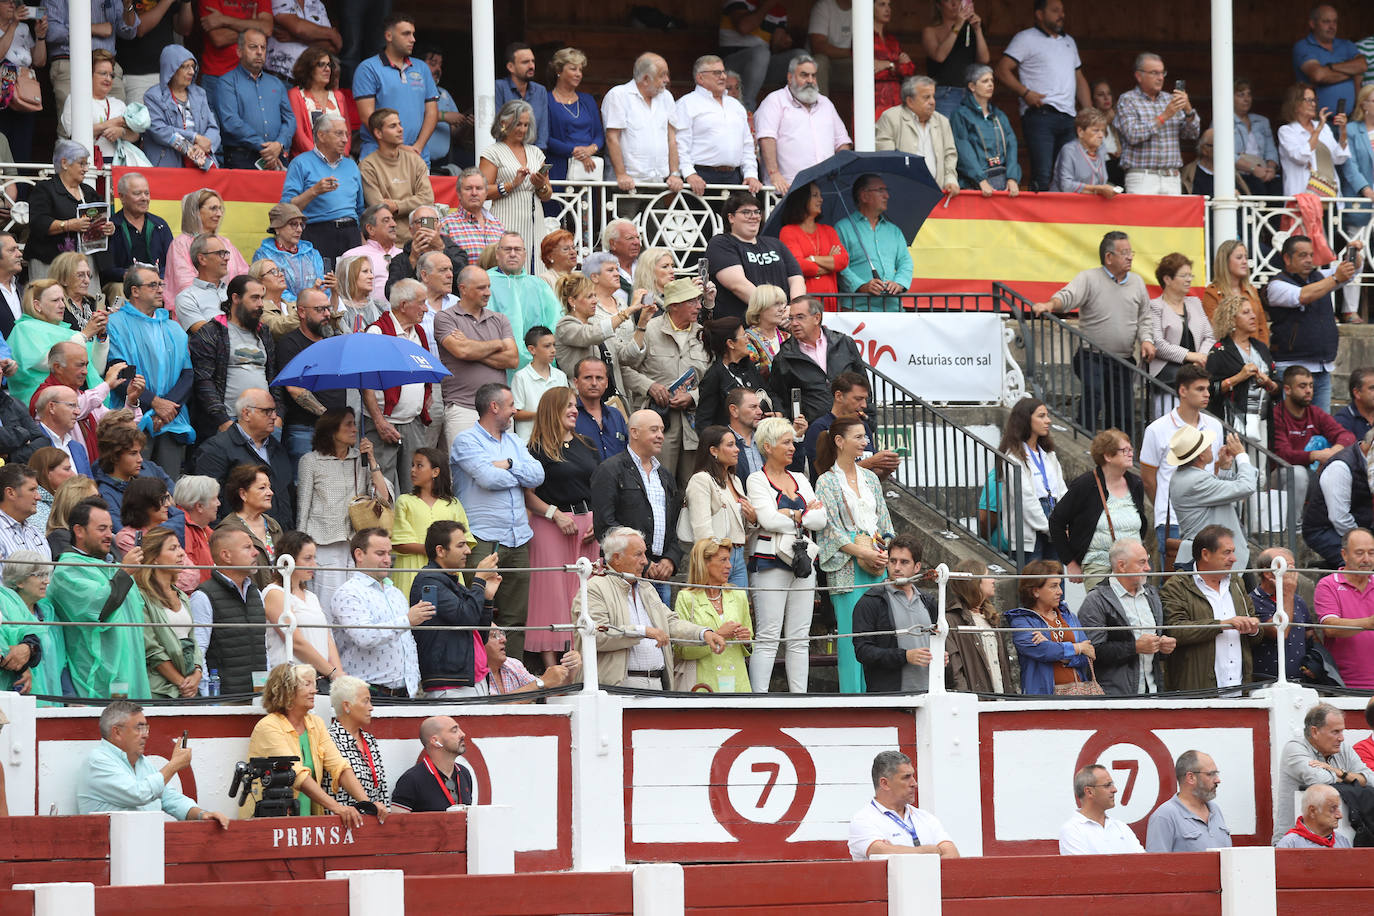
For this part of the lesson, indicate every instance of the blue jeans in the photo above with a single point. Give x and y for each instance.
(1321, 390)
(1108, 392)
(948, 99)
(1046, 129)
(739, 573)
(1162, 534)
(211, 86)
(297, 440)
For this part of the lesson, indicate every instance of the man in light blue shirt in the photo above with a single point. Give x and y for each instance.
(328, 188)
(1327, 63)
(490, 467)
(879, 260)
(1191, 821)
(394, 79)
(117, 777)
(520, 85)
(255, 117)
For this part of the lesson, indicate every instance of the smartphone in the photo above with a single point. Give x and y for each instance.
(428, 222)
(138, 539)
(184, 736)
(429, 593)
(703, 270)
(128, 372)
(1340, 106)
(1349, 255)
(544, 169)
(1180, 85)
(796, 403)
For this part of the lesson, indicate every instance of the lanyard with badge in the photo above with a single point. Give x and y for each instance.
(440, 780)
(900, 822)
(1037, 459)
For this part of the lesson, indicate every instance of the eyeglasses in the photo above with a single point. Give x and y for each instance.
(1160, 73)
(328, 64)
(37, 575)
(273, 272)
(142, 728)
(265, 410)
(1105, 785)
(749, 213)
(720, 72)
(222, 253)
(155, 284)
(1210, 774)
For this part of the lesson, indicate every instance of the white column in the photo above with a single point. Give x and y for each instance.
(913, 884)
(1223, 116)
(1248, 881)
(864, 117)
(1288, 703)
(79, 23)
(659, 889)
(598, 815)
(373, 890)
(61, 899)
(491, 839)
(948, 768)
(483, 72)
(19, 752)
(137, 853)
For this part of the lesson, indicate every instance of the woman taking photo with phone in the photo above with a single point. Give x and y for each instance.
(517, 178)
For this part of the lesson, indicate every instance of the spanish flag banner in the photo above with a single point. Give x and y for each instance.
(1036, 243)
(247, 195)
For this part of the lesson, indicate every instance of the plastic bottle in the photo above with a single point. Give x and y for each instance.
(212, 683)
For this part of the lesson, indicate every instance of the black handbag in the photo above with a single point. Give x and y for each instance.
(802, 566)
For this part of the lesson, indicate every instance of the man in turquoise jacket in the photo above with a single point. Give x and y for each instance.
(879, 259)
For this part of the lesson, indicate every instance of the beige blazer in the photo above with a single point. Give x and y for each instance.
(608, 602)
(896, 130)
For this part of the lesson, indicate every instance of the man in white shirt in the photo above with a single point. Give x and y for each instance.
(830, 33)
(56, 409)
(379, 231)
(714, 145)
(1090, 831)
(1194, 392)
(435, 271)
(1042, 67)
(890, 824)
(797, 126)
(1212, 618)
(641, 143)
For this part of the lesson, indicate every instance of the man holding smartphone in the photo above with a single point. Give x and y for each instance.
(1152, 122)
(447, 656)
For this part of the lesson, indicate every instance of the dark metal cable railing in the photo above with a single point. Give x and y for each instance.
(950, 470)
(1057, 353)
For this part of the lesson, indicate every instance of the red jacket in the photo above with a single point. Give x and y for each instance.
(1291, 434)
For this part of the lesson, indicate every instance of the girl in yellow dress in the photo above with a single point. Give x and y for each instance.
(430, 500)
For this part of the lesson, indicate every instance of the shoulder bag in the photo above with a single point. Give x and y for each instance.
(1088, 688)
(19, 89)
(368, 511)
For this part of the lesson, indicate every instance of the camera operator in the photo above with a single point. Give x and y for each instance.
(108, 783)
(288, 699)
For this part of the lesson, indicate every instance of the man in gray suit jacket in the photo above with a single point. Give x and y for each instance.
(1128, 661)
(1201, 499)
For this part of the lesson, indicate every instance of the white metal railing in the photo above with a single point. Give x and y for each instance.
(1264, 223)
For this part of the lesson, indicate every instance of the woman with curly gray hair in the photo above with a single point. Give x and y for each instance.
(516, 179)
(34, 654)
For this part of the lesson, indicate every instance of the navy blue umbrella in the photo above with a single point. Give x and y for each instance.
(913, 192)
(375, 361)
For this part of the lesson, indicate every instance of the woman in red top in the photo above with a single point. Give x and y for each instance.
(891, 64)
(316, 89)
(815, 245)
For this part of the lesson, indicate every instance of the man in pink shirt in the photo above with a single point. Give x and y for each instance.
(797, 126)
(1344, 600)
(379, 229)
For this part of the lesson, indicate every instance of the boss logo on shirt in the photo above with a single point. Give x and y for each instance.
(763, 258)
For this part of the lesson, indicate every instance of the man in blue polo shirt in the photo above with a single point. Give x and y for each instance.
(520, 85)
(328, 188)
(601, 423)
(1328, 63)
(255, 117)
(394, 79)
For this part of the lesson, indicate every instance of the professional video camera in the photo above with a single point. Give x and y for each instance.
(277, 777)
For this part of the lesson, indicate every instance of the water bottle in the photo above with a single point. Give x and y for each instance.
(212, 683)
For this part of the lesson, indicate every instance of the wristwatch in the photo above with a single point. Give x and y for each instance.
(539, 682)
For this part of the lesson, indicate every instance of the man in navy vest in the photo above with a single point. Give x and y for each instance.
(1302, 315)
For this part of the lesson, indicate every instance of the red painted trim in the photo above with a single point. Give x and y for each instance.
(299, 898)
(1029, 876)
(785, 884)
(529, 895)
(760, 842)
(1117, 721)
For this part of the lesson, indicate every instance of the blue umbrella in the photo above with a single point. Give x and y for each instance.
(913, 192)
(375, 361)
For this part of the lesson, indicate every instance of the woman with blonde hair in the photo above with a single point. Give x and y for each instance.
(291, 729)
(72, 491)
(38, 329)
(1231, 277)
(575, 132)
(654, 270)
(1244, 378)
(512, 167)
(978, 660)
(765, 321)
(560, 516)
(175, 663)
(586, 331)
(201, 211)
(355, 306)
(711, 602)
(278, 313)
(85, 312)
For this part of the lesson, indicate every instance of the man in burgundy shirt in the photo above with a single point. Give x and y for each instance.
(1297, 421)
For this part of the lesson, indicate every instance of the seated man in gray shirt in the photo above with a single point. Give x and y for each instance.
(1320, 757)
(1191, 821)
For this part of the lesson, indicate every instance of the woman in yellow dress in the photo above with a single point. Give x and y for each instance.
(430, 500)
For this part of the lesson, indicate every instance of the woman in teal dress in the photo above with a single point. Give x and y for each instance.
(853, 551)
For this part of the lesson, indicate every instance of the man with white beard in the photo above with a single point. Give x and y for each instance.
(797, 126)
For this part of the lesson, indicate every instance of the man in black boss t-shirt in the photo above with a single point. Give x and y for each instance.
(741, 259)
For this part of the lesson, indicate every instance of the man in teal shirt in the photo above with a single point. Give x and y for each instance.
(117, 777)
(523, 298)
(879, 258)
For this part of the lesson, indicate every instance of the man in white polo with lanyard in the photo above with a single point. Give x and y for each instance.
(889, 824)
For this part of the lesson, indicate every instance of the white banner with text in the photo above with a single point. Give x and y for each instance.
(952, 357)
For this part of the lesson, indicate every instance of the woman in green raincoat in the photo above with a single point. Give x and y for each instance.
(39, 328)
(98, 656)
(26, 582)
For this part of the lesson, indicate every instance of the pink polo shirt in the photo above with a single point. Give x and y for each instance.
(1354, 655)
(817, 351)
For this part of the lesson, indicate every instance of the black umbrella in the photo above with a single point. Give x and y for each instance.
(913, 193)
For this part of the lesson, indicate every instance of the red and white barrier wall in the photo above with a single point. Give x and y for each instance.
(595, 780)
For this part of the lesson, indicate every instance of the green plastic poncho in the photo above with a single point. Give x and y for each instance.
(525, 300)
(97, 656)
(16, 622)
(30, 342)
(161, 643)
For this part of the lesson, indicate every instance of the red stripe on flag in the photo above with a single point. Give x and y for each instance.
(247, 184)
(1124, 210)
